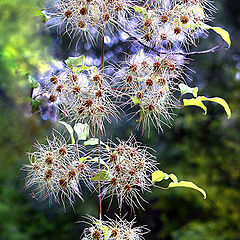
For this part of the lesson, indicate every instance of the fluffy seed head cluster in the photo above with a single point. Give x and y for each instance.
(82, 97)
(112, 230)
(150, 81)
(131, 166)
(178, 21)
(85, 17)
(55, 171)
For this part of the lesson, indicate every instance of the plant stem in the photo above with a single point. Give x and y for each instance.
(100, 120)
(99, 167)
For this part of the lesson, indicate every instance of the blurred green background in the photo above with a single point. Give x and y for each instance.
(202, 149)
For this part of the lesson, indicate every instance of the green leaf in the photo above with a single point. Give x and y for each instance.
(102, 176)
(45, 17)
(187, 185)
(70, 130)
(75, 61)
(223, 33)
(105, 231)
(80, 69)
(91, 142)
(96, 159)
(82, 131)
(186, 89)
(198, 102)
(35, 104)
(135, 100)
(83, 159)
(34, 83)
(158, 176)
(143, 114)
(139, 9)
(94, 70)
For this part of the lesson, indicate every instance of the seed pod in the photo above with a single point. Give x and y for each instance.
(80, 110)
(81, 24)
(52, 98)
(96, 234)
(63, 182)
(68, 14)
(164, 18)
(184, 19)
(71, 174)
(54, 80)
(149, 82)
(177, 30)
(59, 88)
(62, 151)
(83, 11)
(48, 175)
(88, 103)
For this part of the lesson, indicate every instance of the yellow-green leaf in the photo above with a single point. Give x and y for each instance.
(194, 102)
(198, 102)
(188, 185)
(70, 130)
(219, 101)
(75, 61)
(101, 176)
(224, 34)
(91, 141)
(158, 176)
(82, 130)
(186, 89)
(173, 177)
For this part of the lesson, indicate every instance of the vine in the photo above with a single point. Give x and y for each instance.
(86, 97)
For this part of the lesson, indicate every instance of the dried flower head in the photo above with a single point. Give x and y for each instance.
(130, 166)
(167, 24)
(84, 97)
(150, 82)
(110, 229)
(55, 171)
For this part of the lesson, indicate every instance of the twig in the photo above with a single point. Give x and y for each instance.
(211, 50)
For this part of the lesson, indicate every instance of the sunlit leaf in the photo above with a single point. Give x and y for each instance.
(82, 131)
(223, 33)
(186, 89)
(91, 142)
(198, 102)
(94, 70)
(158, 176)
(219, 101)
(96, 159)
(80, 69)
(75, 61)
(83, 159)
(188, 185)
(139, 9)
(70, 130)
(135, 100)
(194, 102)
(173, 177)
(45, 17)
(102, 176)
(34, 83)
